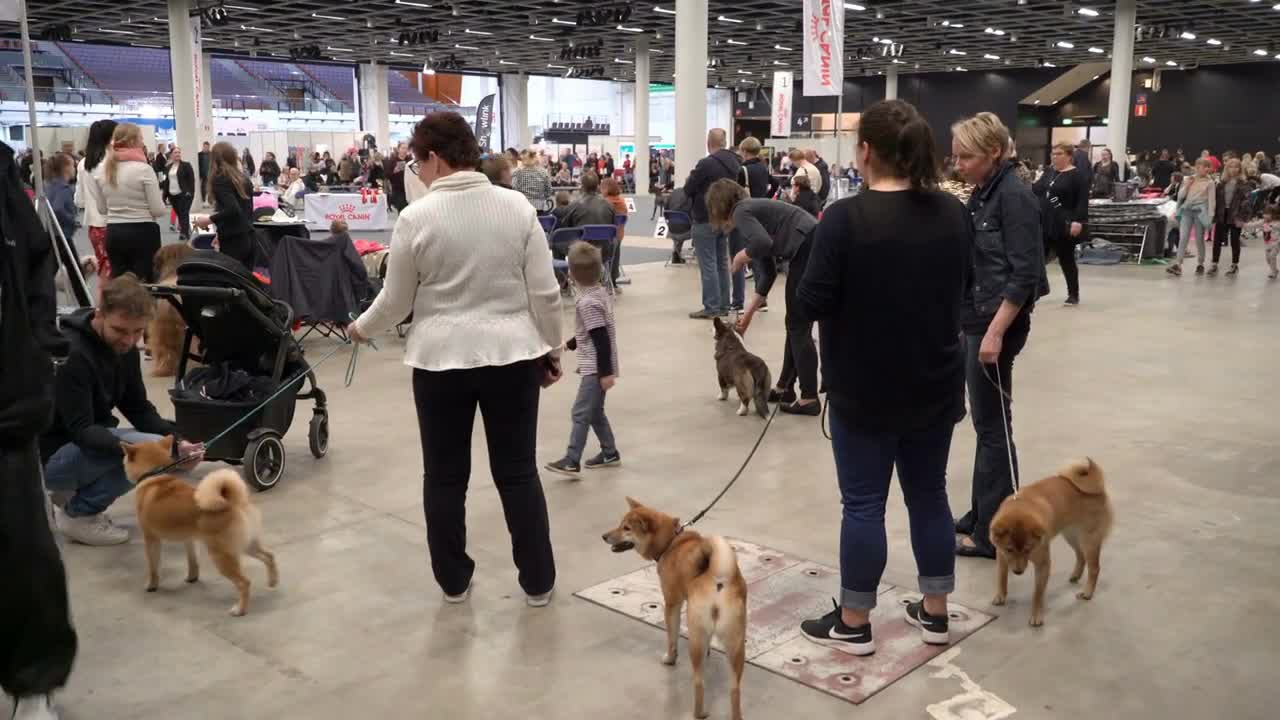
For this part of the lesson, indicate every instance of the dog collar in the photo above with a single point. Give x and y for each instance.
(673, 540)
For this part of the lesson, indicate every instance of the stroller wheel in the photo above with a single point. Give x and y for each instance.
(264, 461)
(319, 434)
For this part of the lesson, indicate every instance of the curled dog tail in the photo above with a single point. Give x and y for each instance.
(722, 561)
(762, 380)
(1085, 475)
(220, 490)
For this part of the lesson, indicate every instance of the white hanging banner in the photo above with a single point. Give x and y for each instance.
(781, 106)
(203, 115)
(823, 47)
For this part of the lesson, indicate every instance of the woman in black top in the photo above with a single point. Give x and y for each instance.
(232, 196)
(269, 170)
(1064, 202)
(1106, 173)
(769, 231)
(885, 280)
(1006, 276)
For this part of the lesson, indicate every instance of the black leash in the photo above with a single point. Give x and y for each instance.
(736, 475)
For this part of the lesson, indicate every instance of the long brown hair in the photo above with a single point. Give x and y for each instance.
(901, 142)
(224, 161)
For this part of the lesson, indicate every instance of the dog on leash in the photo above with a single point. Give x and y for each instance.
(1073, 503)
(217, 512)
(736, 367)
(167, 328)
(702, 571)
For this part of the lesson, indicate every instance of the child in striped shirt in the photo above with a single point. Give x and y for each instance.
(595, 340)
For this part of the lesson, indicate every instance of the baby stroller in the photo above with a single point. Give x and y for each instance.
(248, 351)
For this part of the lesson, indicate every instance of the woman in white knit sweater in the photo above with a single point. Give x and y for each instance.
(131, 202)
(89, 190)
(471, 262)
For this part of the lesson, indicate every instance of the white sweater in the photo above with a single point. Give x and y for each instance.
(472, 263)
(135, 197)
(89, 195)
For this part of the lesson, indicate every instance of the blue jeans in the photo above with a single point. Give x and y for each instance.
(713, 263)
(96, 479)
(864, 465)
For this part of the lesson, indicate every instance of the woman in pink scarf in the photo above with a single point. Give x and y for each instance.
(131, 202)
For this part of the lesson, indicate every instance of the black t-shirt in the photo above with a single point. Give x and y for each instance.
(1064, 197)
(1161, 172)
(885, 280)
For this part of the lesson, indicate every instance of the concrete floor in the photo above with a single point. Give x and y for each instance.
(1167, 383)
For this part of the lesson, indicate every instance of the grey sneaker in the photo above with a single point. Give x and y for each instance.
(602, 461)
(89, 530)
(564, 467)
(34, 707)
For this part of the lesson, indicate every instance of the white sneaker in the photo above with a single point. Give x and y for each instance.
(458, 599)
(542, 600)
(34, 707)
(90, 529)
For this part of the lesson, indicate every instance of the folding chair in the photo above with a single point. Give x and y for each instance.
(548, 223)
(679, 229)
(604, 237)
(560, 240)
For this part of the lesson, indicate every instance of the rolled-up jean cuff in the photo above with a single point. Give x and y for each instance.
(857, 600)
(942, 585)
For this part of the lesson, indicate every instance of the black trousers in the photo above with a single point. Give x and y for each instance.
(37, 642)
(240, 247)
(507, 396)
(992, 482)
(131, 247)
(182, 206)
(800, 355)
(1224, 232)
(1065, 248)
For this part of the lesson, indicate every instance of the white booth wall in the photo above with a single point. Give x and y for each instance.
(614, 102)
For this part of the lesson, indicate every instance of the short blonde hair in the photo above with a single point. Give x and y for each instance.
(529, 158)
(585, 263)
(983, 134)
(750, 147)
(1065, 147)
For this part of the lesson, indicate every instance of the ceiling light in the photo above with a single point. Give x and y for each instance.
(886, 41)
(993, 31)
(507, 62)
(1067, 121)
(327, 17)
(1090, 12)
(258, 29)
(1148, 59)
(338, 49)
(989, 56)
(1096, 50)
(1260, 52)
(744, 72)
(960, 69)
(1170, 63)
(1037, 102)
(1065, 45)
(117, 32)
(959, 25)
(466, 47)
(428, 71)
(469, 31)
(896, 61)
(558, 21)
(787, 49)
(620, 61)
(1187, 35)
(663, 10)
(954, 51)
(1213, 41)
(401, 54)
(1095, 77)
(724, 19)
(1049, 64)
(241, 7)
(854, 6)
(779, 62)
(731, 41)
(539, 38)
(624, 28)
(557, 67)
(412, 4)
(946, 23)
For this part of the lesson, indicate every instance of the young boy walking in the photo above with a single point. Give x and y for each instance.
(596, 343)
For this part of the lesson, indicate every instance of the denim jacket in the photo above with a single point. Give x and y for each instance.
(1008, 249)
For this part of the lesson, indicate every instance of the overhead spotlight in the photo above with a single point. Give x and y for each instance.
(1260, 52)
(1149, 60)
(215, 15)
(1213, 41)
(1088, 12)
(1187, 35)
(1064, 45)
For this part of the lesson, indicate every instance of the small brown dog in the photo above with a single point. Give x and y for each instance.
(217, 512)
(736, 367)
(702, 571)
(167, 328)
(1072, 503)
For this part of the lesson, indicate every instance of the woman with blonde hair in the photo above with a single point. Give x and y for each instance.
(532, 181)
(1197, 206)
(232, 196)
(1006, 277)
(131, 201)
(1231, 213)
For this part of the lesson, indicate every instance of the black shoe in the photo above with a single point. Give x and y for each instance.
(980, 549)
(736, 307)
(1072, 300)
(763, 306)
(812, 409)
(830, 631)
(1200, 270)
(1233, 269)
(786, 397)
(602, 461)
(933, 628)
(964, 526)
(676, 259)
(564, 467)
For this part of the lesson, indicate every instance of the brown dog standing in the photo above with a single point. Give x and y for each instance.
(1072, 503)
(167, 328)
(737, 368)
(702, 571)
(217, 512)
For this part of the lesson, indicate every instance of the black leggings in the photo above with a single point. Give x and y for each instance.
(239, 247)
(131, 247)
(1220, 236)
(507, 396)
(800, 355)
(182, 206)
(1065, 248)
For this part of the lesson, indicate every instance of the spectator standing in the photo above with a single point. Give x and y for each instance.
(472, 263)
(179, 186)
(612, 191)
(1064, 204)
(1197, 206)
(247, 164)
(1006, 276)
(532, 181)
(1231, 205)
(812, 157)
(60, 170)
(1106, 173)
(202, 162)
(269, 170)
(1162, 170)
(759, 182)
(232, 196)
(885, 281)
(89, 191)
(394, 167)
(1215, 165)
(349, 167)
(132, 202)
(1083, 162)
(803, 196)
(709, 243)
(160, 161)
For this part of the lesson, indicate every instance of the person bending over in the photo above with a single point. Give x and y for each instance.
(103, 373)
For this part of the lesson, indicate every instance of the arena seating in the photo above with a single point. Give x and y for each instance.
(337, 79)
(126, 74)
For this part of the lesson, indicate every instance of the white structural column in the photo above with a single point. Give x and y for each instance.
(1121, 82)
(691, 85)
(192, 91)
(375, 104)
(640, 160)
(891, 83)
(516, 131)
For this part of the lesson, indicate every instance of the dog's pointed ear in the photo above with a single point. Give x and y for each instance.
(640, 522)
(718, 324)
(633, 503)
